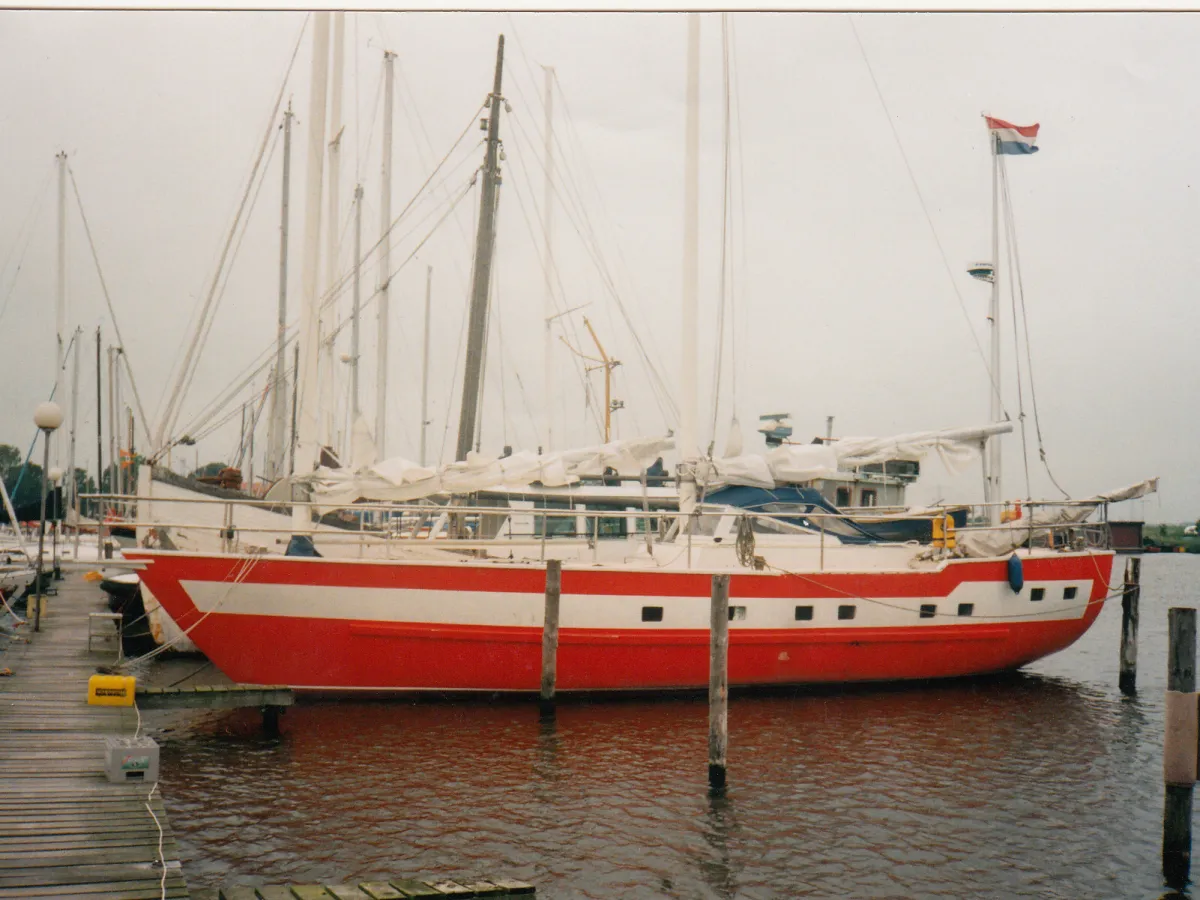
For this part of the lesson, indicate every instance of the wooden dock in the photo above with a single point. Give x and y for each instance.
(65, 830)
(399, 889)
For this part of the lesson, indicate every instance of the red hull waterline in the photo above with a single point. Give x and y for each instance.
(329, 626)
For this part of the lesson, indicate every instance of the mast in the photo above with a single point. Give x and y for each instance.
(326, 379)
(385, 260)
(306, 448)
(99, 421)
(485, 239)
(548, 210)
(355, 407)
(608, 364)
(995, 490)
(112, 425)
(425, 362)
(70, 488)
(687, 445)
(295, 398)
(60, 359)
(278, 425)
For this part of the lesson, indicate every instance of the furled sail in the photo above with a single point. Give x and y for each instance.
(399, 480)
(1038, 523)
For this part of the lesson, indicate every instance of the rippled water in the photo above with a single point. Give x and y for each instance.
(1046, 783)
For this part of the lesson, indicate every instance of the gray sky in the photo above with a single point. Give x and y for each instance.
(842, 303)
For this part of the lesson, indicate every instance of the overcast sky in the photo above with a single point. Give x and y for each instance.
(841, 302)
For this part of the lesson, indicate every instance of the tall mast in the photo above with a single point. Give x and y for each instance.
(112, 424)
(60, 359)
(548, 210)
(331, 231)
(995, 490)
(306, 452)
(485, 239)
(99, 420)
(687, 445)
(425, 362)
(70, 489)
(355, 401)
(385, 261)
(276, 451)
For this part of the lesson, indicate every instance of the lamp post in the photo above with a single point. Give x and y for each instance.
(56, 477)
(47, 417)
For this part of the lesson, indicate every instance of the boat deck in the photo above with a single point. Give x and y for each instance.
(65, 830)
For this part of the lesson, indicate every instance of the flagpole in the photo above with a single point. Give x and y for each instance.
(993, 491)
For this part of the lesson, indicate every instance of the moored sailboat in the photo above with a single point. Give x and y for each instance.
(806, 605)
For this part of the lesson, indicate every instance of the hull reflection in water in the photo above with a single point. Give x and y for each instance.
(1001, 787)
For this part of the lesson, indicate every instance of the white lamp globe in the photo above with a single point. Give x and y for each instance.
(48, 416)
(56, 474)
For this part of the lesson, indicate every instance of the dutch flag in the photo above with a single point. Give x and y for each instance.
(1010, 138)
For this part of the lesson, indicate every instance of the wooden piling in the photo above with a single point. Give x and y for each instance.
(550, 636)
(718, 682)
(1127, 679)
(1179, 778)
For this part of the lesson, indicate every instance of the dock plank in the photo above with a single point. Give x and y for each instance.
(65, 830)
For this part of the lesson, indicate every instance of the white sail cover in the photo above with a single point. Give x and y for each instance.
(400, 480)
(1001, 540)
(790, 463)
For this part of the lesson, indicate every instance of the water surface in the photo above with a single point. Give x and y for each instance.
(1045, 783)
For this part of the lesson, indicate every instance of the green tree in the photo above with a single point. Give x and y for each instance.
(10, 458)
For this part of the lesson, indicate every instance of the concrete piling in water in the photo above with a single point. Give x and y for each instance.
(1179, 745)
(718, 682)
(1127, 679)
(550, 637)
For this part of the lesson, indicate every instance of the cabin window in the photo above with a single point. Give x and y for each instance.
(928, 610)
(966, 609)
(1037, 594)
(652, 613)
(846, 612)
(737, 612)
(1069, 593)
(868, 497)
(843, 497)
(554, 526)
(803, 613)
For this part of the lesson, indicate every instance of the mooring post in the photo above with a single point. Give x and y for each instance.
(550, 636)
(718, 682)
(1127, 680)
(1179, 745)
(271, 716)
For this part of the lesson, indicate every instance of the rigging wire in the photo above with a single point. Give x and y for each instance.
(171, 413)
(229, 270)
(742, 268)
(1009, 233)
(658, 388)
(657, 383)
(108, 302)
(342, 283)
(436, 225)
(521, 171)
(925, 209)
(723, 299)
(28, 226)
(1020, 282)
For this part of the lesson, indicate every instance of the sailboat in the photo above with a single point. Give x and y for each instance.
(806, 606)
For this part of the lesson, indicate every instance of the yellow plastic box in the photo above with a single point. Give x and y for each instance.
(111, 690)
